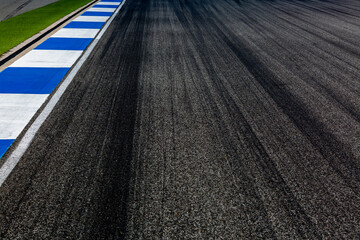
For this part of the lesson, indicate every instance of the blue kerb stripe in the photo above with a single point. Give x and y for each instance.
(65, 44)
(30, 80)
(102, 14)
(89, 25)
(105, 6)
(4, 145)
(111, 1)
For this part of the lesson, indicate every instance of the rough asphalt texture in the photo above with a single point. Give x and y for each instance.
(11, 8)
(202, 119)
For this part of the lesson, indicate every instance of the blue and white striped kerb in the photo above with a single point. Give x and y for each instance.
(26, 84)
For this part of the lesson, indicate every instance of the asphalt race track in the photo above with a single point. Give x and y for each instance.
(202, 119)
(11, 8)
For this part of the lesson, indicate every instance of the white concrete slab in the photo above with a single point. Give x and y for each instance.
(48, 58)
(94, 9)
(91, 19)
(109, 3)
(16, 110)
(76, 33)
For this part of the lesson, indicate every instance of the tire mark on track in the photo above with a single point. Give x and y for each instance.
(245, 169)
(333, 150)
(13, 13)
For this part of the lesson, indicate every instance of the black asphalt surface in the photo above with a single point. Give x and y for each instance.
(202, 119)
(11, 8)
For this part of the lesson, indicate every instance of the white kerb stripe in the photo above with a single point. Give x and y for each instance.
(16, 110)
(108, 3)
(90, 19)
(48, 58)
(101, 9)
(76, 33)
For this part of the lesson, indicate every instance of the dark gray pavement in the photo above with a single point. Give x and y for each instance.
(202, 119)
(11, 8)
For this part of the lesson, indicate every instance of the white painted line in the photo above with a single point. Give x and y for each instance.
(101, 9)
(48, 58)
(91, 19)
(23, 145)
(16, 110)
(76, 33)
(108, 3)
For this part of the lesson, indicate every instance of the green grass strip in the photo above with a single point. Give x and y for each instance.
(17, 29)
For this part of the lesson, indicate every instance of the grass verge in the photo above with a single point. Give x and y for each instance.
(17, 29)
